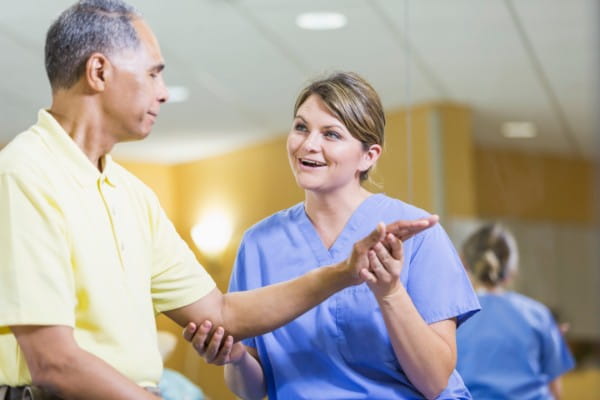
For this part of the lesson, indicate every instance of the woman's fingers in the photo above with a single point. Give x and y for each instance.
(188, 331)
(201, 336)
(375, 264)
(225, 351)
(395, 247)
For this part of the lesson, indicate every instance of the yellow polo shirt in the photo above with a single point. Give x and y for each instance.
(90, 250)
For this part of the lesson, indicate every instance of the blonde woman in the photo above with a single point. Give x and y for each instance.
(392, 337)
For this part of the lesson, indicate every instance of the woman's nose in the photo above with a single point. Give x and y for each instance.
(312, 141)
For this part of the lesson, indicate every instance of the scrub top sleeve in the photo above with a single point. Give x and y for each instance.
(556, 356)
(36, 276)
(437, 281)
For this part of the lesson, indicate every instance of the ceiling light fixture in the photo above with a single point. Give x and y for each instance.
(519, 130)
(321, 20)
(178, 94)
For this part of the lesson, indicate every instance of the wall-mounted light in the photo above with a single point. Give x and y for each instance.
(212, 232)
(321, 20)
(519, 130)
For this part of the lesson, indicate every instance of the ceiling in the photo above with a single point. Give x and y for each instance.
(244, 61)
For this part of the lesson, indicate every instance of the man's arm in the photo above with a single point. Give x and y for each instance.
(58, 365)
(254, 312)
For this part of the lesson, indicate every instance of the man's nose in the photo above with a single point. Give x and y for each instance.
(163, 92)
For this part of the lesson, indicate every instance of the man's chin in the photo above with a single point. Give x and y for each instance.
(134, 137)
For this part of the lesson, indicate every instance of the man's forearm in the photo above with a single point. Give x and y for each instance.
(254, 312)
(87, 377)
(58, 365)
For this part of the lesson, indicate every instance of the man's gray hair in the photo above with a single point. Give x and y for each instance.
(89, 26)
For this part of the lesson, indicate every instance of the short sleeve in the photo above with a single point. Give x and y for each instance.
(36, 276)
(556, 356)
(437, 281)
(178, 279)
(240, 280)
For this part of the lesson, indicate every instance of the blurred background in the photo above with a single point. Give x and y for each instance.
(492, 111)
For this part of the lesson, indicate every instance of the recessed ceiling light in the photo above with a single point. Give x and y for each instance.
(178, 94)
(519, 130)
(321, 20)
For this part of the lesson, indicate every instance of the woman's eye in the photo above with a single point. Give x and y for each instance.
(300, 127)
(332, 135)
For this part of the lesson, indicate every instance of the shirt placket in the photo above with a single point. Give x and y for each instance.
(109, 195)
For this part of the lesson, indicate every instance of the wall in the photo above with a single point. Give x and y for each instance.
(535, 187)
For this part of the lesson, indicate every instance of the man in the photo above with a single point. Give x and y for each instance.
(88, 255)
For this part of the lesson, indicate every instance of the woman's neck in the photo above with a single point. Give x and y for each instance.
(329, 212)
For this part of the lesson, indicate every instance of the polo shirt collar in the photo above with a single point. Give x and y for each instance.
(73, 158)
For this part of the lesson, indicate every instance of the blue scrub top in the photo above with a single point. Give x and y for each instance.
(512, 349)
(341, 349)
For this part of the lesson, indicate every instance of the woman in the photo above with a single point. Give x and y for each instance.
(392, 337)
(512, 349)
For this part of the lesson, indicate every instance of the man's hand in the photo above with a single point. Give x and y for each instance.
(404, 230)
(217, 349)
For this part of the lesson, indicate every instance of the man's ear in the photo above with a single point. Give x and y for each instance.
(97, 69)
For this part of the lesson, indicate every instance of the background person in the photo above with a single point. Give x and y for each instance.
(513, 348)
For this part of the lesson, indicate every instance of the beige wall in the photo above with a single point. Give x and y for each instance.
(535, 187)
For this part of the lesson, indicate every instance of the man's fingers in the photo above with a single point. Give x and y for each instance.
(374, 237)
(406, 229)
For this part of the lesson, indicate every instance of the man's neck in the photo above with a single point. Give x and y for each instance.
(80, 118)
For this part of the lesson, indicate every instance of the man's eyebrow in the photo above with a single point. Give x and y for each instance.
(158, 67)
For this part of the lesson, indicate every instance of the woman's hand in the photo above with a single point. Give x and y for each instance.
(385, 264)
(392, 235)
(217, 349)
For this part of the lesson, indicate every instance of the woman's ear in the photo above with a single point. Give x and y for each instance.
(97, 69)
(370, 157)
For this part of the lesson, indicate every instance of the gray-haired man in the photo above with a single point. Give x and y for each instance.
(88, 255)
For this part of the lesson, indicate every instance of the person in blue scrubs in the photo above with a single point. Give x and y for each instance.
(513, 348)
(392, 337)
